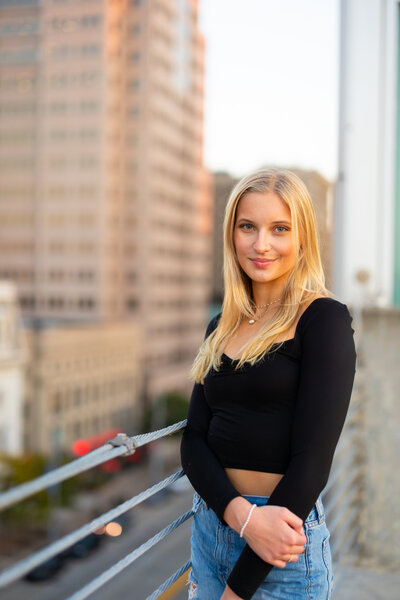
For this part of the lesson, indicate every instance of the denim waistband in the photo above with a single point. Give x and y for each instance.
(317, 512)
(315, 517)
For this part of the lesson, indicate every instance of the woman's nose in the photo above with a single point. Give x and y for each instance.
(262, 242)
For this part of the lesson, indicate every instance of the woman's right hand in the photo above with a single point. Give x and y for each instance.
(273, 532)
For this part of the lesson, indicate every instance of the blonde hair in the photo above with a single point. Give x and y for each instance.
(305, 281)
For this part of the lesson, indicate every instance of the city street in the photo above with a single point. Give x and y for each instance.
(138, 580)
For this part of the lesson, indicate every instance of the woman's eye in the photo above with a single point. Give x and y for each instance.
(245, 225)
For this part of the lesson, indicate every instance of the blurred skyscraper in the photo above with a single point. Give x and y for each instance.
(105, 207)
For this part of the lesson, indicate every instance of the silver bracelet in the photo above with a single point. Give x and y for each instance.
(248, 519)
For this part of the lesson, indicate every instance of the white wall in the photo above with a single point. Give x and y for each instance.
(364, 214)
(11, 398)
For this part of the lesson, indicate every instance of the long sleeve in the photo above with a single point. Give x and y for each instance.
(323, 396)
(202, 467)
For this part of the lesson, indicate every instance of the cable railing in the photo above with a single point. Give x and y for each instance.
(342, 498)
(343, 495)
(121, 445)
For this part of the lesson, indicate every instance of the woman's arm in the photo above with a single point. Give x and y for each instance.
(325, 385)
(201, 465)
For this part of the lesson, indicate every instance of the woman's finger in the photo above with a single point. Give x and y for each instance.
(296, 550)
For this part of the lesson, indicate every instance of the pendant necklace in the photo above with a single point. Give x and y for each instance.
(251, 321)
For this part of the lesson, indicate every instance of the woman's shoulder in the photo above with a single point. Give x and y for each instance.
(212, 324)
(324, 309)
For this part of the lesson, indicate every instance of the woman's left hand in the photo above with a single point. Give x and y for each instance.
(229, 595)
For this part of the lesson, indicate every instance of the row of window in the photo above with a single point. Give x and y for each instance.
(61, 52)
(85, 107)
(178, 228)
(86, 134)
(9, 219)
(64, 401)
(16, 28)
(61, 80)
(73, 23)
(23, 85)
(25, 82)
(174, 357)
(71, 134)
(18, 3)
(29, 302)
(61, 275)
(17, 108)
(16, 163)
(55, 192)
(66, 25)
(90, 303)
(55, 247)
(22, 136)
(23, 55)
(76, 162)
(183, 204)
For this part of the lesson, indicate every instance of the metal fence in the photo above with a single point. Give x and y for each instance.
(343, 499)
(121, 445)
(343, 495)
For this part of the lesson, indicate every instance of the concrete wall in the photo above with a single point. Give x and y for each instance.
(379, 368)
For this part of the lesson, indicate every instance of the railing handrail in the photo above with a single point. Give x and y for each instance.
(121, 445)
(27, 564)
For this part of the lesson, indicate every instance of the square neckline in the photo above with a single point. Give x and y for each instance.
(233, 360)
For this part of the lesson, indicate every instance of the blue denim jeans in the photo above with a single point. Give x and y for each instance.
(215, 549)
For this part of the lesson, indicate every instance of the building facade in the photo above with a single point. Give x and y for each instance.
(105, 206)
(81, 380)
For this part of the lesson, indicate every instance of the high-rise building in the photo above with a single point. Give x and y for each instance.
(105, 207)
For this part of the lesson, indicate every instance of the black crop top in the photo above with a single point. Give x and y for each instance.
(281, 415)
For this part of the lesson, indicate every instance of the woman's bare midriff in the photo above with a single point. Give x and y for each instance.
(256, 483)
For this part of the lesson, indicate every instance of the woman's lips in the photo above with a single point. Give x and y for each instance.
(262, 263)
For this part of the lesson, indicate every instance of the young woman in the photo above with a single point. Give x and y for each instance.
(273, 379)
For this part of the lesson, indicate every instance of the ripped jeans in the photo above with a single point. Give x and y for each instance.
(215, 549)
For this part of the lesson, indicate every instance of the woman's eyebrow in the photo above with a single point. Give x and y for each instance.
(272, 222)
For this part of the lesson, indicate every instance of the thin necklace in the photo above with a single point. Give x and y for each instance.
(251, 321)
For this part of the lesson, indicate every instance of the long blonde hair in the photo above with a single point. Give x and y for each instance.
(305, 281)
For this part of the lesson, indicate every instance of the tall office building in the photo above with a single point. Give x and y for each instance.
(105, 207)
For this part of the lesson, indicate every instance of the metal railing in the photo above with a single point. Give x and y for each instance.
(121, 445)
(342, 498)
(343, 495)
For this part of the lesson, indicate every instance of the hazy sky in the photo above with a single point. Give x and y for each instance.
(271, 84)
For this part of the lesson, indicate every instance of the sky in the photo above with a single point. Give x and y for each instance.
(271, 84)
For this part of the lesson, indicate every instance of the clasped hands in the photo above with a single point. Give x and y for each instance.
(273, 532)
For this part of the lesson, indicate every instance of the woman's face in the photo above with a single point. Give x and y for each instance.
(263, 230)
